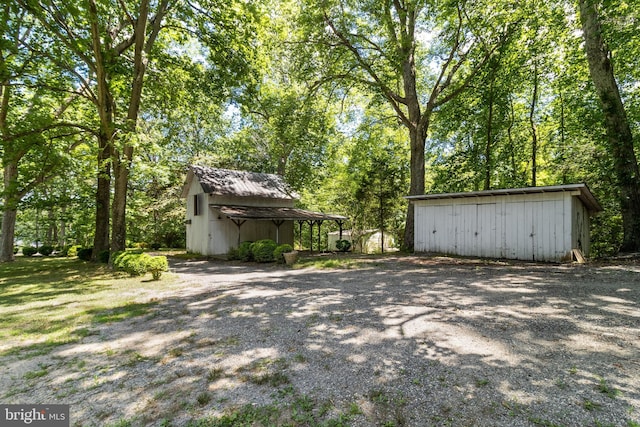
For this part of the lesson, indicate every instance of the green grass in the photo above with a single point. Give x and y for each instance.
(48, 302)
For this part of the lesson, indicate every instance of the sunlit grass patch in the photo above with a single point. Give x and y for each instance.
(48, 302)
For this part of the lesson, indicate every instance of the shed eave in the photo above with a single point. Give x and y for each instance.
(580, 190)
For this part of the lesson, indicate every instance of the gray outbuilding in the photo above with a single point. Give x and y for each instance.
(535, 223)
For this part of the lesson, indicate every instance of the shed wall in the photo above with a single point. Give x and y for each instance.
(197, 228)
(539, 227)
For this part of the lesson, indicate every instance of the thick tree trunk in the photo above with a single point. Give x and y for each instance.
(9, 214)
(103, 198)
(123, 163)
(620, 138)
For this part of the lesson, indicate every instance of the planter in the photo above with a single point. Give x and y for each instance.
(290, 258)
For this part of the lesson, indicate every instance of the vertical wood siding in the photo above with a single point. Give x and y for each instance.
(540, 227)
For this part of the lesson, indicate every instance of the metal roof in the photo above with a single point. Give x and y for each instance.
(273, 213)
(584, 194)
(226, 182)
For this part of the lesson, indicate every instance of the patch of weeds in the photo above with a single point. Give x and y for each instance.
(632, 424)
(121, 423)
(573, 370)
(37, 373)
(299, 358)
(354, 409)
(176, 352)
(388, 408)
(215, 374)
(273, 379)
(482, 382)
(561, 384)
(133, 358)
(544, 423)
(590, 405)
(606, 389)
(203, 398)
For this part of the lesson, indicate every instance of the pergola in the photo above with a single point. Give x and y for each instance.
(278, 215)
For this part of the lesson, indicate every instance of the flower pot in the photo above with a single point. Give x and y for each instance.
(290, 257)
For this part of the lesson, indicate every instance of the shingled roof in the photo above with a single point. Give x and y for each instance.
(226, 182)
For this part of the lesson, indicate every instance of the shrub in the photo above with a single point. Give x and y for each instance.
(343, 245)
(263, 250)
(72, 250)
(29, 251)
(137, 264)
(282, 249)
(46, 250)
(244, 251)
(156, 265)
(85, 254)
(233, 254)
(15, 250)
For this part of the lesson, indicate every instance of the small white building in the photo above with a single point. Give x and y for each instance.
(226, 207)
(535, 223)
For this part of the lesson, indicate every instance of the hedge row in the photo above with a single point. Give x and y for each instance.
(260, 251)
(137, 263)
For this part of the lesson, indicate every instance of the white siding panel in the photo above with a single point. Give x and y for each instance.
(542, 227)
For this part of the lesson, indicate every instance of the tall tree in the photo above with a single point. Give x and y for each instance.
(415, 55)
(619, 135)
(35, 98)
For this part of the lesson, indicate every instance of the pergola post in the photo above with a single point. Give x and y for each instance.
(319, 222)
(278, 223)
(238, 223)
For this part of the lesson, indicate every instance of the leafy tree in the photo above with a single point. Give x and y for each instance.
(417, 56)
(619, 134)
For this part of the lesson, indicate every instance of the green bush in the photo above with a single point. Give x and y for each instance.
(233, 254)
(137, 263)
(343, 245)
(156, 265)
(85, 254)
(244, 251)
(263, 250)
(15, 250)
(29, 251)
(71, 251)
(46, 250)
(282, 249)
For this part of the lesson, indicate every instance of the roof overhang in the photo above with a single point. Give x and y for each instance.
(274, 213)
(579, 190)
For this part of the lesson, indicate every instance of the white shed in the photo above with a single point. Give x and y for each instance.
(226, 207)
(535, 223)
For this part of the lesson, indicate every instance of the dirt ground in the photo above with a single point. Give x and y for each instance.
(399, 340)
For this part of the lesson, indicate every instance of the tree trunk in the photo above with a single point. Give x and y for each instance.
(103, 197)
(532, 124)
(9, 214)
(123, 163)
(619, 136)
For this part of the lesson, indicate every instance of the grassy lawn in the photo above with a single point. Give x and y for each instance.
(47, 302)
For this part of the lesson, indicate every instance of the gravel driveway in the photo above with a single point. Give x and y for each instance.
(412, 341)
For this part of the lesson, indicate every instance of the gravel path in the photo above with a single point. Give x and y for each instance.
(412, 341)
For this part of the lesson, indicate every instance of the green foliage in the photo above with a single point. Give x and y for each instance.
(244, 251)
(263, 250)
(72, 251)
(46, 250)
(85, 254)
(343, 245)
(281, 249)
(157, 265)
(137, 264)
(29, 251)
(233, 254)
